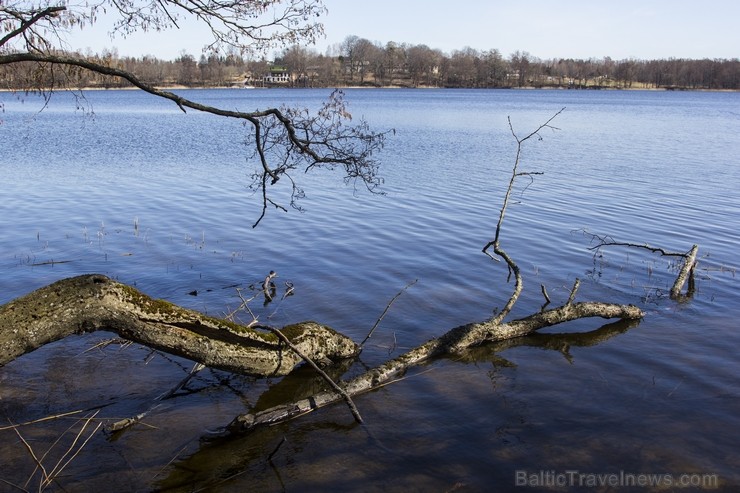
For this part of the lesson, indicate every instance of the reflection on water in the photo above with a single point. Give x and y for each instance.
(157, 199)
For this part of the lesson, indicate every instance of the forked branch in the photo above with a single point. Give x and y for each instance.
(495, 243)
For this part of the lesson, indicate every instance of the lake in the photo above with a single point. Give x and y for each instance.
(125, 185)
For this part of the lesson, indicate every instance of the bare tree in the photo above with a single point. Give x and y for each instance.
(462, 68)
(377, 61)
(283, 140)
(188, 69)
(297, 58)
(395, 58)
(422, 64)
(357, 54)
(493, 68)
(349, 53)
(520, 63)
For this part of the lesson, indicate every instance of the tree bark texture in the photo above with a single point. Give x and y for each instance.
(95, 302)
(453, 342)
(686, 272)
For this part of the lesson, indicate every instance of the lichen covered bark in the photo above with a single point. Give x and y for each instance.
(95, 302)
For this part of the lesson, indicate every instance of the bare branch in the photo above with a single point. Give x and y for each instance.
(27, 23)
(387, 307)
(573, 291)
(686, 272)
(36, 460)
(327, 378)
(609, 241)
(284, 139)
(71, 453)
(248, 26)
(544, 293)
(454, 341)
(497, 250)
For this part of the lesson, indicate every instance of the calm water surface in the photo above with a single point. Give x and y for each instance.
(133, 188)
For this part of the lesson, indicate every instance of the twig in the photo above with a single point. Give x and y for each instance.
(269, 457)
(36, 460)
(332, 383)
(387, 307)
(244, 305)
(608, 241)
(48, 451)
(289, 290)
(170, 462)
(128, 422)
(573, 292)
(40, 420)
(544, 293)
(196, 368)
(124, 343)
(48, 477)
(59, 467)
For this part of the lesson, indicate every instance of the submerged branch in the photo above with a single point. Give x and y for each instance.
(685, 273)
(94, 302)
(327, 378)
(455, 341)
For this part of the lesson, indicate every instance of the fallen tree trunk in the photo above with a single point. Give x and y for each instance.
(452, 342)
(95, 302)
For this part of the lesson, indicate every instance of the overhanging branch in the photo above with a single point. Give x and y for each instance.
(284, 139)
(27, 23)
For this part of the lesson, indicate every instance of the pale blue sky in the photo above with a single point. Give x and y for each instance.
(621, 29)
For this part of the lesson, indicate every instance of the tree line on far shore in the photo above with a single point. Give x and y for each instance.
(359, 62)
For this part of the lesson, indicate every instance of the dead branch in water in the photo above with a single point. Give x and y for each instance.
(327, 378)
(685, 273)
(461, 338)
(94, 302)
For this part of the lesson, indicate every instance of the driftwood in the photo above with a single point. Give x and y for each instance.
(95, 302)
(455, 341)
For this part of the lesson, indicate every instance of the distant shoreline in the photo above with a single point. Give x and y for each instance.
(395, 87)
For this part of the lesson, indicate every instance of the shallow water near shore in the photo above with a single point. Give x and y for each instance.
(158, 199)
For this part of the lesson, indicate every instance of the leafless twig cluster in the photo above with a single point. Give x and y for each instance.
(283, 140)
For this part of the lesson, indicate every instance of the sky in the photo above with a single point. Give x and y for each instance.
(647, 29)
